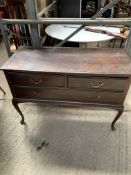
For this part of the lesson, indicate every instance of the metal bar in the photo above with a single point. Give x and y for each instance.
(4, 34)
(86, 21)
(46, 9)
(128, 44)
(70, 36)
(55, 7)
(34, 28)
(99, 13)
(99, 5)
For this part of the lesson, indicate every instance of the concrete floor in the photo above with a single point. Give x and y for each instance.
(76, 140)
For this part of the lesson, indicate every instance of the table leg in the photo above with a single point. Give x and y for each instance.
(120, 111)
(15, 104)
(2, 90)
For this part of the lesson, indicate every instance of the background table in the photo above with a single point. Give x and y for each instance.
(83, 37)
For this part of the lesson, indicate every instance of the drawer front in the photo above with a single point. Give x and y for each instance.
(98, 83)
(35, 79)
(69, 95)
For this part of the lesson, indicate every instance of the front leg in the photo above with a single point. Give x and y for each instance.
(120, 111)
(15, 104)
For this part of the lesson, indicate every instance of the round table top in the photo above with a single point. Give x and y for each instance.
(62, 31)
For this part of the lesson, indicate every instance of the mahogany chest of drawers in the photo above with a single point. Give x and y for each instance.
(69, 76)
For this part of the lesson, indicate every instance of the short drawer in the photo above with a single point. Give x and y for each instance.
(36, 79)
(98, 83)
(69, 95)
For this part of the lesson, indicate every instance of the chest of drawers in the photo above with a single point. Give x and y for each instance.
(69, 76)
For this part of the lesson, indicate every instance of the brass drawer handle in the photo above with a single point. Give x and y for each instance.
(36, 81)
(97, 85)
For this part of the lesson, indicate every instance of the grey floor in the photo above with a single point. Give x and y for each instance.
(76, 140)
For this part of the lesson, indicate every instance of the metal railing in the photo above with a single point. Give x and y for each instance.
(33, 21)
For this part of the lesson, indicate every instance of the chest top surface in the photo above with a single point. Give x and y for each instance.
(70, 60)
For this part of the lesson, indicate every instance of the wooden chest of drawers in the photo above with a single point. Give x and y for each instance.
(93, 77)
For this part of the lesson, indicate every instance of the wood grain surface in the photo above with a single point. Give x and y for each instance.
(71, 60)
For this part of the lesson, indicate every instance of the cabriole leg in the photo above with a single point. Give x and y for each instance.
(120, 111)
(15, 104)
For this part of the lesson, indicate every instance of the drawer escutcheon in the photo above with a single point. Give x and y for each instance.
(37, 93)
(94, 98)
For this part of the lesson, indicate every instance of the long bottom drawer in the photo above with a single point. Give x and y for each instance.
(69, 95)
